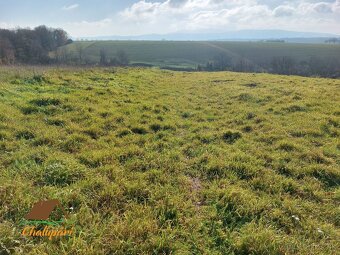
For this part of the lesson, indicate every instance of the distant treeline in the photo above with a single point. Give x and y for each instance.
(43, 45)
(78, 56)
(314, 66)
(333, 40)
(30, 46)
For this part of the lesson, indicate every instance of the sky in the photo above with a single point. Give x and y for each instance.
(88, 18)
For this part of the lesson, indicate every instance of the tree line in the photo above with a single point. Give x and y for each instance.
(286, 65)
(333, 40)
(30, 46)
(77, 56)
(43, 45)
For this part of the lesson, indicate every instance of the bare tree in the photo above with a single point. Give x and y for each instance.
(61, 55)
(122, 58)
(222, 62)
(31, 45)
(103, 57)
(243, 65)
(64, 53)
(79, 47)
(333, 40)
(7, 53)
(283, 65)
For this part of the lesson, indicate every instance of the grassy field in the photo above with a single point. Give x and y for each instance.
(161, 162)
(190, 54)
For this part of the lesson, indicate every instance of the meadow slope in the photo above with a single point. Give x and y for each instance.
(189, 54)
(162, 162)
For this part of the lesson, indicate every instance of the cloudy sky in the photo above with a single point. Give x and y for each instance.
(135, 17)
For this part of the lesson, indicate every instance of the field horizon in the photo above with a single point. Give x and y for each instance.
(298, 58)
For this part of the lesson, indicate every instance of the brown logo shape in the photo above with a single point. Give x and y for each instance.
(43, 209)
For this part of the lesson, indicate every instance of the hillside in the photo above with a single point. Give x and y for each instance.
(159, 162)
(189, 54)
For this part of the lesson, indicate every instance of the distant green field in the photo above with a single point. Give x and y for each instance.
(190, 53)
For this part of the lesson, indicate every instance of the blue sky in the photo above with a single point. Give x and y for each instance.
(134, 17)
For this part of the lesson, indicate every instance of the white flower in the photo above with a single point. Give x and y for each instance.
(319, 230)
(295, 217)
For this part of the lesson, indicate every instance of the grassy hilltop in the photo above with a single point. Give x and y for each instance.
(161, 162)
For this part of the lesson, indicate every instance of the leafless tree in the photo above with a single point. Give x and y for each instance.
(79, 47)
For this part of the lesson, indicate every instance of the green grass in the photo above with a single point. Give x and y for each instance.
(161, 162)
(189, 54)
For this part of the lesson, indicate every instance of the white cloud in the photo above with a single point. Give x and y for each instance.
(283, 10)
(171, 15)
(322, 7)
(336, 7)
(168, 16)
(70, 7)
(91, 28)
